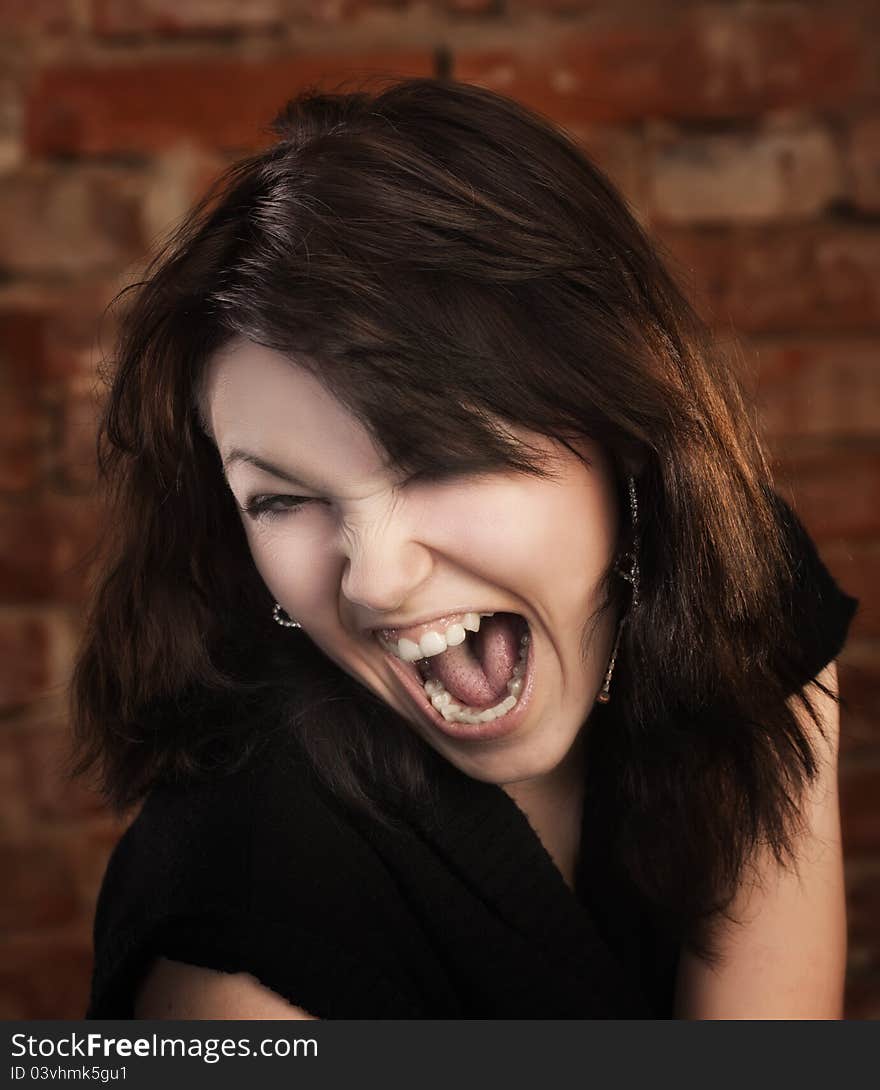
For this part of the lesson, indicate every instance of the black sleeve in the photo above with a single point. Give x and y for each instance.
(820, 611)
(251, 873)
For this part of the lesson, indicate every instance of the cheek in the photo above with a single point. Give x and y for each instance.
(583, 532)
(295, 565)
(483, 529)
(529, 533)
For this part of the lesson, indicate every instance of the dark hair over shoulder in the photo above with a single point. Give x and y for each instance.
(383, 239)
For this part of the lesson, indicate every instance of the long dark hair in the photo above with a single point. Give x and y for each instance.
(443, 257)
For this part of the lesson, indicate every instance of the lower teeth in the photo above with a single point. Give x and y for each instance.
(445, 703)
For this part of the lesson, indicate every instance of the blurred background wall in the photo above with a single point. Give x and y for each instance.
(746, 136)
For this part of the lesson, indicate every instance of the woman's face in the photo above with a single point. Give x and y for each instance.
(353, 548)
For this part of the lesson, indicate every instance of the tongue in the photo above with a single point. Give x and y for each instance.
(476, 672)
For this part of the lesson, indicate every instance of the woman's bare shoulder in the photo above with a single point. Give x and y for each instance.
(174, 989)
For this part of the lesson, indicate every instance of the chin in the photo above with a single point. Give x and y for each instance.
(513, 762)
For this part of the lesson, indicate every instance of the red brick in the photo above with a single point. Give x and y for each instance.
(717, 62)
(149, 105)
(863, 932)
(863, 903)
(472, 7)
(45, 975)
(836, 488)
(856, 567)
(178, 178)
(864, 163)
(860, 818)
(39, 887)
(335, 12)
(31, 645)
(751, 178)
(14, 806)
(32, 17)
(22, 438)
(45, 548)
(818, 386)
(782, 278)
(619, 153)
(75, 457)
(859, 679)
(862, 1001)
(699, 260)
(48, 335)
(68, 221)
(551, 7)
(170, 17)
(22, 332)
(13, 74)
(89, 849)
(45, 760)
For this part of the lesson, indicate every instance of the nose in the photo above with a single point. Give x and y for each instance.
(384, 567)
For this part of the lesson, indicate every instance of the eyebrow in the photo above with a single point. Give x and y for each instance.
(237, 455)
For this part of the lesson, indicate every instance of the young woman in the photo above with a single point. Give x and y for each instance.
(447, 620)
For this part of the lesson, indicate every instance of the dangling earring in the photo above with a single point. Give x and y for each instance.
(604, 693)
(631, 559)
(288, 622)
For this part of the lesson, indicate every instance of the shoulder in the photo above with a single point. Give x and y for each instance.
(213, 830)
(257, 842)
(193, 840)
(255, 882)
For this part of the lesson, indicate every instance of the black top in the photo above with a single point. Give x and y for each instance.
(464, 916)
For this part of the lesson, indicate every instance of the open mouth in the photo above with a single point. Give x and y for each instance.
(480, 681)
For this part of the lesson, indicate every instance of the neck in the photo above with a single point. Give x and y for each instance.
(553, 804)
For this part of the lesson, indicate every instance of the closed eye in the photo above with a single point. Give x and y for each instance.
(264, 506)
(273, 505)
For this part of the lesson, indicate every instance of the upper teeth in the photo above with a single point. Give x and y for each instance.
(434, 641)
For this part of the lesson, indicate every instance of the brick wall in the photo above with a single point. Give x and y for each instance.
(745, 135)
